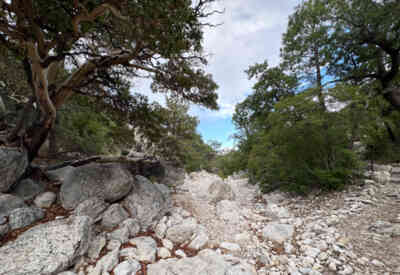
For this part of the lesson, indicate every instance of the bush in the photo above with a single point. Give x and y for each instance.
(306, 148)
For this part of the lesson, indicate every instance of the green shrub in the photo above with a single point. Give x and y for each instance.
(306, 148)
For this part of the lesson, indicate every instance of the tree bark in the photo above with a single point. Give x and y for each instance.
(38, 133)
(319, 78)
(392, 95)
(53, 142)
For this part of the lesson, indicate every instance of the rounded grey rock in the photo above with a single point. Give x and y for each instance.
(9, 202)
(13, 163)
(93, 207)
(114, 216)
(110, 182)
(146, 203)
(45, 200)
(28, 189)
(25, 216)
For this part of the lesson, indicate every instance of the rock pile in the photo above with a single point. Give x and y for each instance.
(120, 224)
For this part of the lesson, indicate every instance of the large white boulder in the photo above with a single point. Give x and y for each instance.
(48, 248)
(206, 262)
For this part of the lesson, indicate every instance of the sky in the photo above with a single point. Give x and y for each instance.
(250, 33)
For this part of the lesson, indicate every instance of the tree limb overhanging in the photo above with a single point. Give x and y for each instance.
(102, 45)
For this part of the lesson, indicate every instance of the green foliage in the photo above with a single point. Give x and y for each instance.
(365, 40)
(102, 47)
(337, 85)
(305, 43)
(82, 129)
(198, 155)
(232, 162)
(180, 143)
(381, 140)
(306, 148)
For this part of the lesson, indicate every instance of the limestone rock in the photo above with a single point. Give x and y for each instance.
(229, 211)
(164, 189)
(46, 249)
(182, 232)
(386, 228)
(163, 253)
(173, 176)
(146, 203)
(27, 189)
(45, 200)
(381, 177)
(106, 263)
(385, 168)
(206, 262)
(278, 232)
(161, 228)
(145, 249)
(180, 253)
(275, 197)
(114, 216)
(110, 182)
(132, 225)
(13, 164)
(4, 229)
(278, 211)
(241, 269)
(232, 247)
(113, 245)
(59, 176)
(167, 244)
(128, 267)
(25, 216)
(200, 238)
(8, 203)
(219, 191)
(121, 234)
(96, 246)
(93, 207)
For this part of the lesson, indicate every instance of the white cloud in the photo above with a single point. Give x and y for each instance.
(251, 33)
(226, 110)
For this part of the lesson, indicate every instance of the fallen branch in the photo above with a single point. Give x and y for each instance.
(101, 159)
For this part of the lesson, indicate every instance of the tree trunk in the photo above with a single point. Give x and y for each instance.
(392, 95)
(23, 117)
(319, 78)
(37, 134)
(53, 142)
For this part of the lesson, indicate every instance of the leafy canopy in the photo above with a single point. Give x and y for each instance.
(105, 45)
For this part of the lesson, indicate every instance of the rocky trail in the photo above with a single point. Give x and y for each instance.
(352, 232)
(99, 219)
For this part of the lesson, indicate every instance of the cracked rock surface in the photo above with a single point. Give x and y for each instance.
(242, 232)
